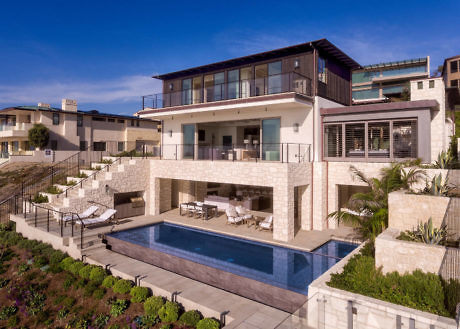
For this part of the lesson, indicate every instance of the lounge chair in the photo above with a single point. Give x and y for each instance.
(267, 223)
(106, 216)
(243, 212)
(232, 216)
(87, 213)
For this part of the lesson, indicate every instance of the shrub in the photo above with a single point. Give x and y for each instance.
(40, 261)
(207, 323)
(85, 271)
(99, 293)
(139, 294)
(97, 275)
(109, 281)
(38, 135)
(152, 305)
(13, 321)
(81, 175)
(40, 198)
(166, 326)
(56, 257)
(190, 318)
(69, 302)
(62, 313)
(7, 311)
(80, 283)
(68, 283)
(118, 307)
(101, 320)
(53, 190)
(89, 289)
(122, 286)
(66, 262)
(452, 295)
(169, 312)
(76, 267)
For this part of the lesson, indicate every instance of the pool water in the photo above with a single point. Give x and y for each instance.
(282, 267)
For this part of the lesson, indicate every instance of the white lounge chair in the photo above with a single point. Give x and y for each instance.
(87, 213)
(243, 212)
(267, 223)
(106, 216)
(232, 216)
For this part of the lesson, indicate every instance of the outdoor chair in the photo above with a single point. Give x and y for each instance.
(232, 216)
(184, 209)
(267, 223)
(243, 212)
(191, 210)
(87, 213)
(105, 217)
(199, 212)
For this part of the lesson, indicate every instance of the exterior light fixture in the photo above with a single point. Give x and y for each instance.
(107, 188)
(171, 86)
(295, 127)
(296, 63)
(170, 133)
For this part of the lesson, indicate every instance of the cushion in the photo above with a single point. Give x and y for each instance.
(240, 210)
(231, 212)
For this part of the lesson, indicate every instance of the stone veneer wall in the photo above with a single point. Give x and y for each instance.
(406, 211)
(282, 177)
(330, 308)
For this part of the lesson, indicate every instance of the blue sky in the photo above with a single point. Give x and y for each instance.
(103, 53)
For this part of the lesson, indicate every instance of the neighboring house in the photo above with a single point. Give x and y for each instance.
(276, 132)
(385, 81)
(72, 129)
(451, 71)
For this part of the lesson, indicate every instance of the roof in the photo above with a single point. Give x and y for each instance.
(405, 62)
(322, 45)
(55, 109)
(392, 106)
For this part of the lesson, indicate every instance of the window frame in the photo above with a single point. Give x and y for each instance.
(56, 119)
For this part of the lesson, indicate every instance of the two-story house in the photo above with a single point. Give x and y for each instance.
(277, 132)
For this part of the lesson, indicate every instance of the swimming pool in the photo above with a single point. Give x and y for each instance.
(278, 266)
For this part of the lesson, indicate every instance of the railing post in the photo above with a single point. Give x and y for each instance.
(101, 157)
(72, 224)
(48, 222)
(35, 220)
(143, 106)
(61, 223)
(287, 153)
(24, 210)
(298, 154)
(176, 151)
(282, 153)
(81, 235)
(233, 152)
(212, 151)
(52, 175)
(78, 164)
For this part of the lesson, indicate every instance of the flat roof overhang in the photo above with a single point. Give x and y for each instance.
(284, 99)
(380, 107)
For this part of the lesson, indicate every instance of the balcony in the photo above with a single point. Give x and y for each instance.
(237, 90)
(272, 152)
(19, 129)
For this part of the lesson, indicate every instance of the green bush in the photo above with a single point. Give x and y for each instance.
(99, 293)
(166, 326)
(139, 294)
(97, 275)
(68, 302)
(122, 286)
(118, 307)
(452, 295)
(109, 281)
(169, 312)
(422, 291)
(38, 135)
(13, 321)
(40, 261)
(152, 305)
(76, 267)
(40, 198)
(56, 257)
(85, 271)
(89, 289)
(53, 190)
(190, 318)
(207, 323)
(66, 262)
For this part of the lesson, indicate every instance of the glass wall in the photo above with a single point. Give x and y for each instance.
(233, 84)
(354, 140)
(378, 139)
(366, 94)
(274, 77)
(333, 141)
(271, 139)
(405, 139)
(404, 70)
(188, 141)
(186, 91)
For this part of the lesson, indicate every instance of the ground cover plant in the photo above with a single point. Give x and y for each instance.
(44, 288)
(423, 291)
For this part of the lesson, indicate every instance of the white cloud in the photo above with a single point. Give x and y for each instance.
(122, 90)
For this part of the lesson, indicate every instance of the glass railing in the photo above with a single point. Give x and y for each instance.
(17, 126)
(274, 84)
(275, 152)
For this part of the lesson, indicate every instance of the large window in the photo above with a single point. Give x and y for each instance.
(188, 132)
(55, 119)
(186, 91)
(274, 78)
(453, 66)
(322, 72)
(271, 139)
(366, 94)
(333, 141)
(79, 120)
(405, 139)
(404, 70)
(99, 146)
(378, 139)
(354, 140)
(233, 84)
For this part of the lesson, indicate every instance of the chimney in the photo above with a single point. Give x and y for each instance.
(69, 105)
(44, 105)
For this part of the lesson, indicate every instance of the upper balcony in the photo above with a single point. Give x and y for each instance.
(237, 91)
(19, 129)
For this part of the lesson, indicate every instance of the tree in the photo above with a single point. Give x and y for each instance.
(369, 211)
(39, 135)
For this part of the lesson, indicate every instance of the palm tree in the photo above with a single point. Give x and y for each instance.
(369, 211)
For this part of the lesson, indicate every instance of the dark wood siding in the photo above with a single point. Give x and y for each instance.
(338, 86)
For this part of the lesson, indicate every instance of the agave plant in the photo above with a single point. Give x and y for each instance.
(444, 160)
(438, 186)
(428, 234)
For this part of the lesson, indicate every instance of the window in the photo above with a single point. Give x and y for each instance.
(271, 139)
(79, 120)
(378, 140)
(137, 123)
(121, 146)
(454, 83)
(333, 141)
(121, 121)
(274, 78)
(233, 84)
(188, 139)
(405, 139)
(54, 145)
(354, 140)
(322, 72)
(420, 85)
(98, 119)
(453, 66)
(431, 84)
(110, 120)
(132, 123)
(99, 146)
(186, 92)
(83, 145)
(55, 119)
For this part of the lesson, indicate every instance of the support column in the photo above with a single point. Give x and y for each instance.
(160, 195)
(186, 191)
(283, 212)
(319, 196)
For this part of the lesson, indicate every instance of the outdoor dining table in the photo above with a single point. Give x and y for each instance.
(206, 209)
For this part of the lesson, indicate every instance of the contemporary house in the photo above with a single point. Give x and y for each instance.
(72, 129)
(451, 71)
(276, 132)
(385, 81)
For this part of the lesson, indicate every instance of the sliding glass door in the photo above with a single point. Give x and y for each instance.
(274, 78)
(188, 132)
(186, 91)
(271, 139)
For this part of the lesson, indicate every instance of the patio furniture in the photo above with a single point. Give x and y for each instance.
(183, 209)
(255, 220)
(199, 209)
(207, 208)
(221, 202)
(243, 212)
(232, 217)
(191, 209)
(106, 216)
(267, 223)
(87, 213)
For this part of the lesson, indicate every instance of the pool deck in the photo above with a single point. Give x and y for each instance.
(240, 312)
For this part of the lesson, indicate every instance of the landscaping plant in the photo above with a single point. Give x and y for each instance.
(169, 312)
(207, 323)
(152, 305)
(438, 186)
(122, 286)
(139, 294)
(190, 318)
(428, 234)
(109, 281)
